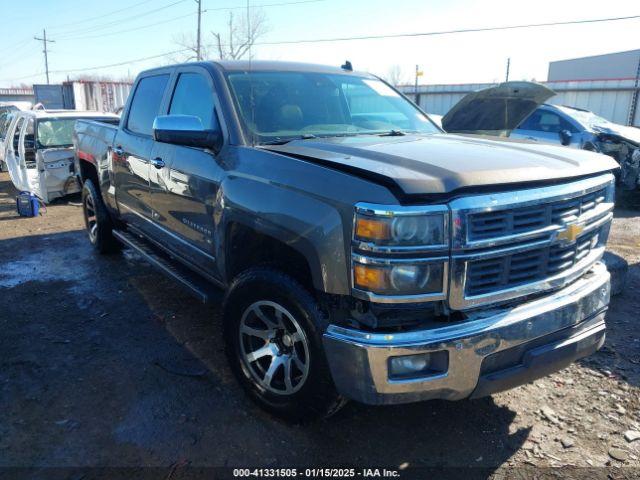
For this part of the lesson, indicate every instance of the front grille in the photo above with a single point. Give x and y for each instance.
(511, 270)
(489, 225)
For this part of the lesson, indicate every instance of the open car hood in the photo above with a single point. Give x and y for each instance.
(496, 110)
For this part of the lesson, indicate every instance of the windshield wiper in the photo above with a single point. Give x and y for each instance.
(393, 133)
(284, 141)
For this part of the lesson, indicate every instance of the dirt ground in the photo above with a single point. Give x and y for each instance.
(105, 363)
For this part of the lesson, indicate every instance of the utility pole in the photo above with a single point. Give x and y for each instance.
(45, 51)
(198, 54)
(508, 65)
(418, 74)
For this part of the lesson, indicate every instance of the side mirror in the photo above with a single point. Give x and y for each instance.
(186, 130)
(565, 137)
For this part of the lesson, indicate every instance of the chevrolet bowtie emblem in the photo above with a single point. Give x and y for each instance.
(571, 233)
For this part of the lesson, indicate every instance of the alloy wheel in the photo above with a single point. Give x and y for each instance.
(90, 218)
(274, 348)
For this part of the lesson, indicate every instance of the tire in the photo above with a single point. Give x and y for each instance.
(290, 339)
(97, 220)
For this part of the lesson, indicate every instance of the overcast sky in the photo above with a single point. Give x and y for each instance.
(89, 34)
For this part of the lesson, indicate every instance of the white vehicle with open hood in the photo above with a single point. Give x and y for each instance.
(38, 151)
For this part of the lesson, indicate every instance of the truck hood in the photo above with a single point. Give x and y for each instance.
(442, 163)
(496, 110)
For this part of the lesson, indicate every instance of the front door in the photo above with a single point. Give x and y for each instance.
(183, 191)
(132, 151)
(543, 126)
(13, 158)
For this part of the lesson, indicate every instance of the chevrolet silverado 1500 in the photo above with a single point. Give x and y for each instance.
(363, 253)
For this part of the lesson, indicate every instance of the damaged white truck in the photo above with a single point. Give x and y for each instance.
(38, 151)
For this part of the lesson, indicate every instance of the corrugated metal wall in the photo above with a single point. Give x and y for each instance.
(101, 96)
(16, 95)
(610, 99)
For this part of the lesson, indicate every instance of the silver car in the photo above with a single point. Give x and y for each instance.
(517, 110)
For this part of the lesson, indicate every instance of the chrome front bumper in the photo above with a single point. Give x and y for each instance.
(514, 339)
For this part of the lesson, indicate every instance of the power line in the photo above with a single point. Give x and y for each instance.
(136, 28)
(149, 25)
(9, 59)
(264, 5)
(400, 35)
(14, 47)
(119, 21)
(107, 14)
(448, 32)
(119, 64)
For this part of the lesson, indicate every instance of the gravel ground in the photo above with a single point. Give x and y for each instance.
(103, 362)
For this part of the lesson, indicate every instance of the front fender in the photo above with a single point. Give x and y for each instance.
(300, 220)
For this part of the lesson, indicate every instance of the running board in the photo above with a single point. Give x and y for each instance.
(195, 284)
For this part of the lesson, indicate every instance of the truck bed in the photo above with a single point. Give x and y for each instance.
(92, 139)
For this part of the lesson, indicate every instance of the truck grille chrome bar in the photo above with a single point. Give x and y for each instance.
(494, 274)
(509, 245)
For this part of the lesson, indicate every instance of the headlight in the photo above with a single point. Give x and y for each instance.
(402, 228)
(400, 251)
(398, 277)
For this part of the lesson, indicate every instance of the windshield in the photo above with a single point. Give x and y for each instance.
(55, 132)
(281, 105)
(589, 119)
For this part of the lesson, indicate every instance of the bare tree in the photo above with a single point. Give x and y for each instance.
(241, 35)
(395, 76)
(190, 46)
(233, 43)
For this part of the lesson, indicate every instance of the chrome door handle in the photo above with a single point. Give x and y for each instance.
(158, 163)
(118, 151)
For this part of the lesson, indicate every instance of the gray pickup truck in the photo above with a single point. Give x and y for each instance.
(362, 253)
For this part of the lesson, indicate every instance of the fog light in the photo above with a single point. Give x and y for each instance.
(421, 365)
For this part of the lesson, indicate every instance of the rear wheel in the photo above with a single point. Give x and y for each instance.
(97, 220)
(273, 335)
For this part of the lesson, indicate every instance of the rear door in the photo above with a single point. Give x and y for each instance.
(132, 150)
(183, 192)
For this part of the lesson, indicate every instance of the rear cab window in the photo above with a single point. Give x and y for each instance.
(145, 104)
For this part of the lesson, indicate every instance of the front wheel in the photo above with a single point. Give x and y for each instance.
(273, 334)
(97, 220)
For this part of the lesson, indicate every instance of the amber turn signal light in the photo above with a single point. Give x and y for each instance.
(372, 229)
(369, 278)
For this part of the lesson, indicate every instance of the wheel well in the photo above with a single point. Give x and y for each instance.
(247, 248)
(88, 171)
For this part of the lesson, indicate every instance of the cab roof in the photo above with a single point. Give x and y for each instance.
(279, 66)
(266, 66)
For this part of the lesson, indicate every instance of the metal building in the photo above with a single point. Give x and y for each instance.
(612, 66)
(611, 99)
(608, 85)
(83, 95)
(16, 95)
